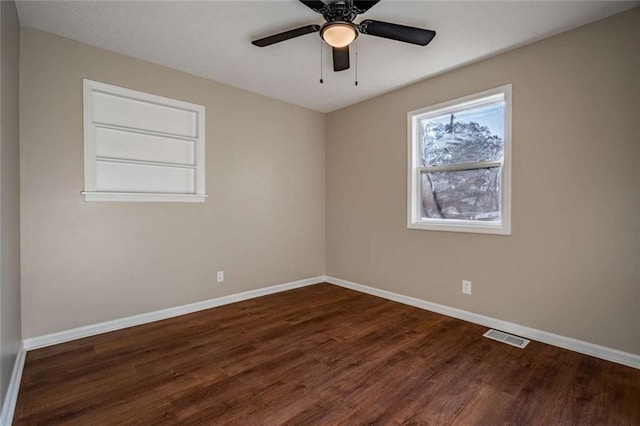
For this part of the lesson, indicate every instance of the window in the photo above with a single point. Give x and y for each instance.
(459, 164)
(141, 147)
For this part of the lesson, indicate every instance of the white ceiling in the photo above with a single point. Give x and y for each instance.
(212, 39)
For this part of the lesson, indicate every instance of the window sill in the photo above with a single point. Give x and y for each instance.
(143, 197)
(462, 226)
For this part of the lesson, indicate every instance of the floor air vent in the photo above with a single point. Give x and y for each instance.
(509, 339)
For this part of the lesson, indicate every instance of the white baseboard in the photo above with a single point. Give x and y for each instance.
(580, 346)
(10, 399)
(575, 345)
(104, 327)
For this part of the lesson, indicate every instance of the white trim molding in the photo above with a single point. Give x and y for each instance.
(118, 324)
(143, 197)
(602, 352)
(10, 399)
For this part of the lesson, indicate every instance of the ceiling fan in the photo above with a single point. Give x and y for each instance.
(339, 31)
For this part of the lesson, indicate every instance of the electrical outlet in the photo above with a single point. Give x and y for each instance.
(220, 276)
(466, 287)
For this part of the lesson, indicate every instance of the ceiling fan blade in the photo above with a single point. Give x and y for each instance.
(363, 5)
(396, 32)
(340, 58)
(277, 38)
(315, 5)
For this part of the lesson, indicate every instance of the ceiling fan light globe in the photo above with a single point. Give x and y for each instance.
(339, 34)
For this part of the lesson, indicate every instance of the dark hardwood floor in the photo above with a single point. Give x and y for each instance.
(319, 355)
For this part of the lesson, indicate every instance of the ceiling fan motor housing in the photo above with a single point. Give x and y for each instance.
(340, 11)
(339, 30)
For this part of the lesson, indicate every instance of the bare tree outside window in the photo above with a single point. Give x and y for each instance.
(461, 159)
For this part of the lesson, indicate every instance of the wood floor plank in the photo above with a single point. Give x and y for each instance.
(319, 355)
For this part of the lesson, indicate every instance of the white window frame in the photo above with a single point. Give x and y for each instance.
(415, 169)
(91, 194)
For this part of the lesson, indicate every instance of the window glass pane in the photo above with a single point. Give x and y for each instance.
(475, 134)
(465, 194)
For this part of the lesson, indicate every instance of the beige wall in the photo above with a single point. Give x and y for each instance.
(84, 263)
(572, 264)
(10, 329)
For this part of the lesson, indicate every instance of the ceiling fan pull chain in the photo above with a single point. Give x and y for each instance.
(321, 79)
(356, 43)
